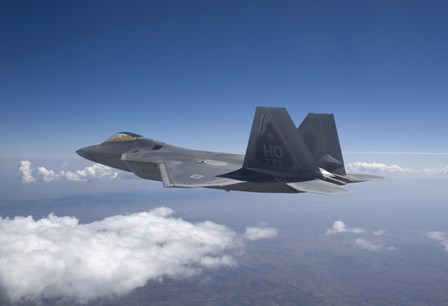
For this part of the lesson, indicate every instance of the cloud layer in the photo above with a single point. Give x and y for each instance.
(339, 227)
(28, 174)
(56, 257)
(440, 237)
(363, 167)
(91, 173)
(256, 233)
(368, 245)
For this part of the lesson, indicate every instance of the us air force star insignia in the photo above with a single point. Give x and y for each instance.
(196, 176)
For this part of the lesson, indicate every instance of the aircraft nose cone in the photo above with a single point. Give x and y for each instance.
(85, 152)
(94, 153)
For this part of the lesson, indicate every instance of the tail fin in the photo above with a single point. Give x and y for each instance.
(321, 137)
(274, 147)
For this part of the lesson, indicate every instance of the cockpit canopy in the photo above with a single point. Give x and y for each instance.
(123, 136)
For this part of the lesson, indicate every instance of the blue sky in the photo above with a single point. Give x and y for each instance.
(192, 72)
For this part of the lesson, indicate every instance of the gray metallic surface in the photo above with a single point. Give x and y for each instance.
(321, 137)
(279, 158)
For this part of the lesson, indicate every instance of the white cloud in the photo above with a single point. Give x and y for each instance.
(25, 172)
(364, 167)
(443, 171)
(48, 175)
(340, 227)
(368, 245)
(440, 237)
(378, 233)
(376, 168)
(56, 257)
(256, 233)
(362, 243)
(91, 173)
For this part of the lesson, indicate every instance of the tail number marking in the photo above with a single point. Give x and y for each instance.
(273, 155)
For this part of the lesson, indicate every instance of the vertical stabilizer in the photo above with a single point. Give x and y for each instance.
(321, 137)
(274, 147)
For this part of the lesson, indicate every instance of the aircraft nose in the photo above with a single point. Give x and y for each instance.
(81, 152)
(85, 152)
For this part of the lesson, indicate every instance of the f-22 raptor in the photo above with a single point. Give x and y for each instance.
(280, 158)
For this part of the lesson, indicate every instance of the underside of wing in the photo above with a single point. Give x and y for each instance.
(183, 172)
(318, 186)
(192, 175)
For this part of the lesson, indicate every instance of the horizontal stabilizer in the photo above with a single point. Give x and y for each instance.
(354, 178)
(318, 186)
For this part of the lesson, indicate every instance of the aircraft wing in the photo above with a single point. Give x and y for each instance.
(189, 173)
(181, 174)
(317, 186)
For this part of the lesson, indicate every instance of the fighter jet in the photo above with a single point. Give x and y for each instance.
(280, 158)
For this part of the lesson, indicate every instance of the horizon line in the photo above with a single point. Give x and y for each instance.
(396, 152)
